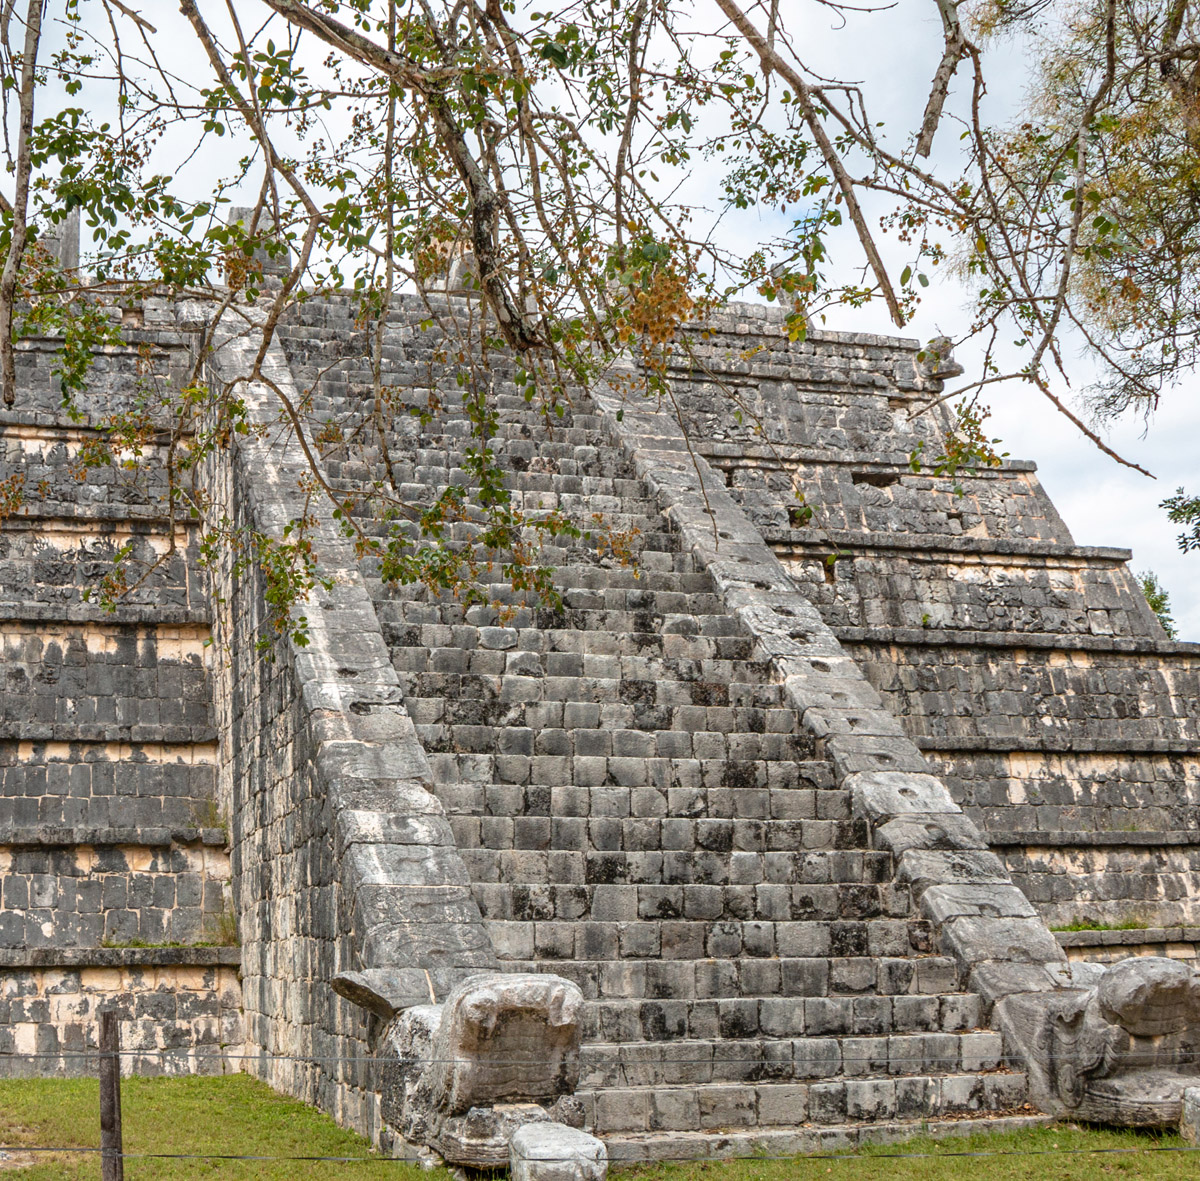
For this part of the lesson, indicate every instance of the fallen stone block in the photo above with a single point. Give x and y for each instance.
(1189, 1119)
(555, 1152)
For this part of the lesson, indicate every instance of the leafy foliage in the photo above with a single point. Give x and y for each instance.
(1185, 510)
(1158, 601)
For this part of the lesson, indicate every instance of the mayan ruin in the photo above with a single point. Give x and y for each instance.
(742, 845)
(526, 652)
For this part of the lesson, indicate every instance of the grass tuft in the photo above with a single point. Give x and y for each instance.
(1094, 925)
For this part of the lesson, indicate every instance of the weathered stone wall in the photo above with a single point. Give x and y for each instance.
(113, 862)
(1030, 671)
(60, 891)
(180, 1009)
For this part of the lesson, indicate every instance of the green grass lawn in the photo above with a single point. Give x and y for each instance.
(234, 1115)
(1066, 1153)
(237, 1115)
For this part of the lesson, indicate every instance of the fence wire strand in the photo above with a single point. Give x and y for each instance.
(843, 1157)
(881, 1059)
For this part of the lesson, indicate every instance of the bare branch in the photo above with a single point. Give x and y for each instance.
(133, 16)
(955, 48)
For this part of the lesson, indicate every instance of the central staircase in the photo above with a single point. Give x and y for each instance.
(640, 810)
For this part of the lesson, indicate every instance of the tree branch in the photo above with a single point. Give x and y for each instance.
(955, 47)
(485, 201)
(771, 60)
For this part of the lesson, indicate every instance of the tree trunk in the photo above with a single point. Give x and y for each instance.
(20, 204)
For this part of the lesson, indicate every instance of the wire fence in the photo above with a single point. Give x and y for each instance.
(848, 1157)
(731, 1142)
(652, 1056)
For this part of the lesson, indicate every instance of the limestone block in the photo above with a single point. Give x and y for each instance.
(995, 981)
(62, 241)
(924, 868)
(555, 1152)
(507, 1038)
(974, 940)
(481, 1136)
(943, 902)
(928, 832)
(853, 754)
(407, 1048)
(935, 361)
(272, 266)
(880, 795)
(824, 721)
(1189, 1119)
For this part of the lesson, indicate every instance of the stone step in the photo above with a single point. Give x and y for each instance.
(654, 584)
(648, 608)
(492, 738)
(634, 524)
(681, 682)
(822, 933)
(671, 752)
(549, 552)
(786, 1143)
(787, 792)
(774, 1105)
(658, 576)
(563, 630)
(480, 736)
(894, 962)
(414, 644)
(516, 421)
(632, 655)
(692, 1062)
(723, 688)
(476, 828)
(594, 497)
(670, 728)
(856, 878)
(350, 385)
(576, 461)
(723, 906)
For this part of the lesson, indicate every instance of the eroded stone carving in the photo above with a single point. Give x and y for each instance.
(1120, 1052)
(936, 360)
(502, 1052)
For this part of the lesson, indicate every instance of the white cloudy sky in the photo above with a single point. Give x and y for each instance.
(893, 52)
